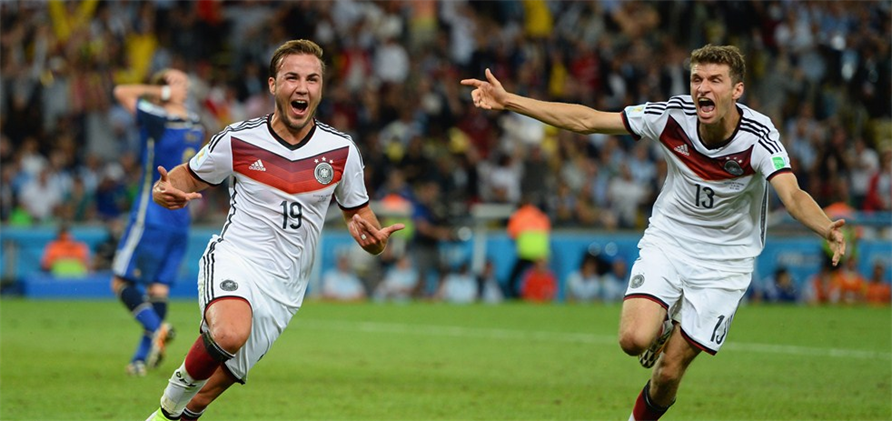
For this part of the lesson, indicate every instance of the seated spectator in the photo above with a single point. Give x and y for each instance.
(849, 283)
(459, 287)
(878, 292)
(584, 284)
(613, 282)
(65, 256)
(400, 283)
(597, 280)
(341, 283)
(488, 289)
(821, 289)
(539, 283)
(780, 288)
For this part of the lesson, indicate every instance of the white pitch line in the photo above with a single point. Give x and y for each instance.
(493, 333)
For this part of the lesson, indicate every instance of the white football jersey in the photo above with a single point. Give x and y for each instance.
(279, 194)
(714, 202)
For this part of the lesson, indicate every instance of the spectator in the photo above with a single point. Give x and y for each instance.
(489, 290)
(401, 282)
(341, 283)
(879, 193)
(613, 283)
(849, 283)
(459, 287)
(429, 219)
(627, 195)
(584, 284)
(821, 289)
(66, 256)
(40, 197)
(878, 292)
(780, 288)
(539, 283)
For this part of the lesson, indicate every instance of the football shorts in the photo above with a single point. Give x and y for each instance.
(225, 274)
(708, 295)
(148, 254)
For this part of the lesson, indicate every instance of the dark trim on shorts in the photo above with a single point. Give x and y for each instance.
(647, 297)
(231, 374)
(695, 343)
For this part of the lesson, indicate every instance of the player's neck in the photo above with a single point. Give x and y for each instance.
(288, 133)
(178, 110)
(718, 134)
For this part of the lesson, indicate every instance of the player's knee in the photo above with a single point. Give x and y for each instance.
(229, 340)
(632, 342)
(116, 285)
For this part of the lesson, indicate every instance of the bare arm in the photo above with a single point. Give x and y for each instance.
(366, 230)
(128, 95)
(175, 189)
(803, 208)
(490, 95)
(177, 86)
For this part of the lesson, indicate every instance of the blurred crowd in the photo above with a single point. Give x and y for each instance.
(68, 152)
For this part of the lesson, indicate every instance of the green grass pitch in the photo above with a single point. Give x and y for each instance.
(64, 360)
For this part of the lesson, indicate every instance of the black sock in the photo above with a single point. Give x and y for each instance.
(131, 296)
(160, 306)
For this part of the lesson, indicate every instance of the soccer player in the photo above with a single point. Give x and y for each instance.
(283, 170)
(698, 252)
(152, 247)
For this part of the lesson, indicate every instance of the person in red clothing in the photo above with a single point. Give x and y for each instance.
(878, 292)
(66, 256)
(539, 283)
(879, 191)
(531, 230)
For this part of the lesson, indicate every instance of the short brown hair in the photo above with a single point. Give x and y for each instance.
(722, 54)
(295, 46)
(159, 78)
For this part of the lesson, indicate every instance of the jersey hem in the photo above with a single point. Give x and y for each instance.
(197, 177)
(364, 204)
(780, 171)
(636, 136)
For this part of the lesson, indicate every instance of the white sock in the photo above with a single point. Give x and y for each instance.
(180, 389)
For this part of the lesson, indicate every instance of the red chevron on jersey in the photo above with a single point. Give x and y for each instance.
(711, 169)
(301, 176)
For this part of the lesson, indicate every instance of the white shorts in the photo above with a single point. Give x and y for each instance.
(707, 295)
(224, 274)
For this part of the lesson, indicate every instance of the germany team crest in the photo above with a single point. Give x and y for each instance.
(323, 172)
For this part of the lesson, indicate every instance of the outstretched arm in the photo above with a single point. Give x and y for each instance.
(490, 95)
(802, 206)
(176, 189)
(367, 231)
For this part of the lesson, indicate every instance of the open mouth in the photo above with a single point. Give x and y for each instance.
(299, 106)
(706, 105)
